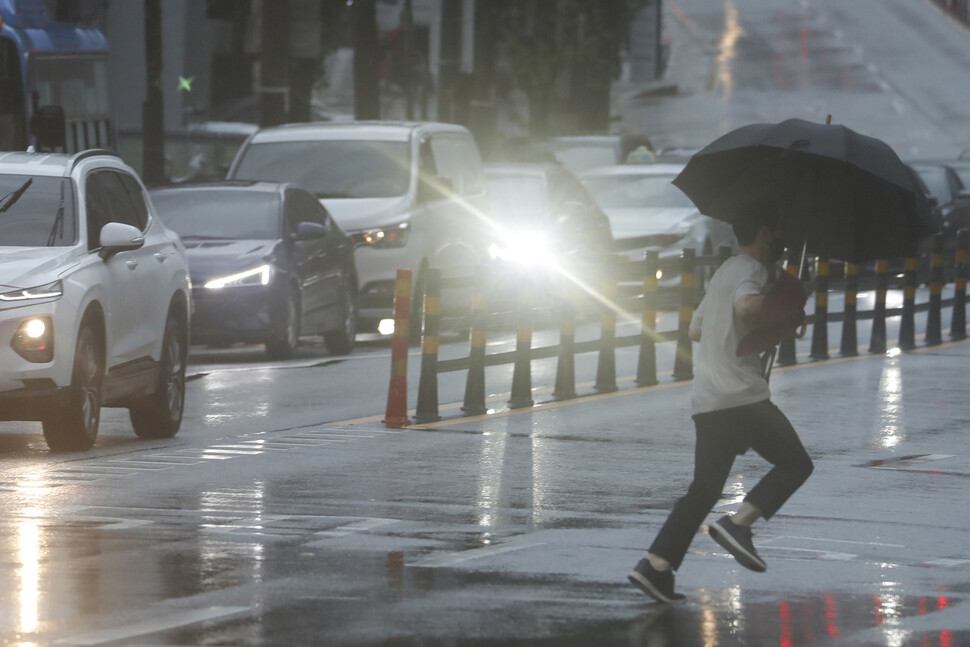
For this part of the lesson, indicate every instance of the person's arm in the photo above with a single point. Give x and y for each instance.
(748, 308)
(694, 331)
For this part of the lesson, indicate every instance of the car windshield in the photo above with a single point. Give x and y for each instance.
(636, 192)
(236, 215)
(935, 179)
(515, 199)
(332, 168)
(582, 157)
(36, 211)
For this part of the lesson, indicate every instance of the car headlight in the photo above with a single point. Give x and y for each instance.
(526, 248)
(34, 339)
(257, 276)
(383, 238)
(52, 290)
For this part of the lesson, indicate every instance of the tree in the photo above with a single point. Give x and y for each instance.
(563, 55)
(367, 97)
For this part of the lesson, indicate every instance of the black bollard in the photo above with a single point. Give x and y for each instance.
(934, 315)
(522, 370)
(684, 357)
(877, 337)
(850, 344)
(647, 364)
(820, 331)
(427, 409)
(474, 403)
(606, 364)
(565, 388)
(907, 325)
(958, 326)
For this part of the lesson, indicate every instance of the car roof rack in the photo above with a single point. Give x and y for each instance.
(91, 152)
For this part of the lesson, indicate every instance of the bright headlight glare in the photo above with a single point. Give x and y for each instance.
(524, 248)
(49, 291)
(34, 340)
(386, 327)
(256, 276)
(35, 328)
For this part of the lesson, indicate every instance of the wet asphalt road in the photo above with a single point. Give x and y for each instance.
(284, 513)
(518, 526)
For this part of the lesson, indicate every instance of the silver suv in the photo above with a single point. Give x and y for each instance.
(94, 299)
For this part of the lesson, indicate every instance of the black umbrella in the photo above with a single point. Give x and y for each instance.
(844, 195)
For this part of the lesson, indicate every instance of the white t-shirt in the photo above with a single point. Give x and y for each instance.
(722, 379)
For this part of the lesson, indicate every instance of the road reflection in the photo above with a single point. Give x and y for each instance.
(720, 618)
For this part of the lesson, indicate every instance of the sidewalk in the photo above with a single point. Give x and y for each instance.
(871, 551)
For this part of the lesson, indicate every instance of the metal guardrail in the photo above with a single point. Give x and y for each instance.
(647, 300)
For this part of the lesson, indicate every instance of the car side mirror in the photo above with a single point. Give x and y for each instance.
(437, 188)
(118, 237)
(307, 230)
(964, 194)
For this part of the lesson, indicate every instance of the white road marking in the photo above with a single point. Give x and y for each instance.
(451, 559)
(947, 562)
(826, 539)
(113, 523)
(153, 626)
(356, 526)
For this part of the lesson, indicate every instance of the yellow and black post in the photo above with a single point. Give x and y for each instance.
(877, 337)
(565, 388)
(396, 414)
(521, 395)
(907, 325)
(850, 344)
(786, 348)
(958, 326)
(606, 363)
(647, 362)
(820, 331)
(934, 317)
(474, 403)
(427, 409)
(684, 357)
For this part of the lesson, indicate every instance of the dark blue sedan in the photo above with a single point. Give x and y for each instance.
(268, 265)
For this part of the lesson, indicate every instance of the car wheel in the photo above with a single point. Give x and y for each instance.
(341, 342)
(284, 343)
(74, 426)
(160, 414)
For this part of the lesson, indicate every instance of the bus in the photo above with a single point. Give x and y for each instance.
(51, 68)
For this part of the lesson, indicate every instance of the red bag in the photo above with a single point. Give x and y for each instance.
(782, 315)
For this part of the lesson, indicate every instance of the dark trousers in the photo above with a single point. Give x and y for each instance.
(722, 435)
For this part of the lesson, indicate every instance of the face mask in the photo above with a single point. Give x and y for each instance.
(775, 251)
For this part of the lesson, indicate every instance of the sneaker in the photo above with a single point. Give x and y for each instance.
(737, 541)
(657, 584)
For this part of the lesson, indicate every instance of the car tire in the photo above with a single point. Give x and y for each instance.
(74, 426)
(284, 343)
(159, 415)
(341, 342)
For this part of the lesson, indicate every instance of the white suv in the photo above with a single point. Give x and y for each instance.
(94, 299)
(411, 195)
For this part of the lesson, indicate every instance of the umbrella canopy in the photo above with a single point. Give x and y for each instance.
(844, 195)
